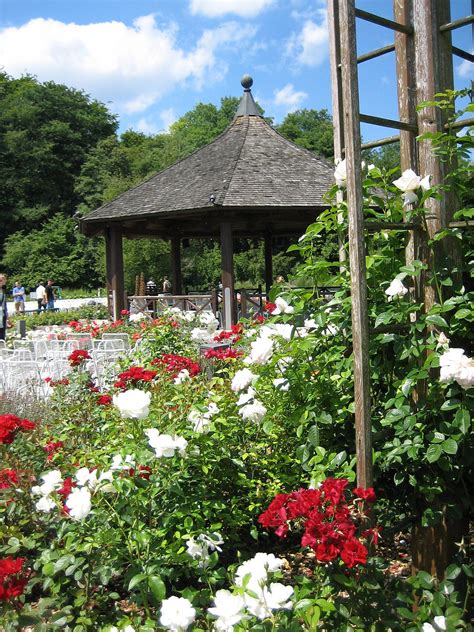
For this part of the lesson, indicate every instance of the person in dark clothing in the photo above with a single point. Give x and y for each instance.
(50, 295)
(3, 306)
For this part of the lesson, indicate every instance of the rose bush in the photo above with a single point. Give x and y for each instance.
(150, 502)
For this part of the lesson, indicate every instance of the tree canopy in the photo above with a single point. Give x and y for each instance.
(60, 154)
(46, 132)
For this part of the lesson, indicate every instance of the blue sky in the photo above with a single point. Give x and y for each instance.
(151, 61)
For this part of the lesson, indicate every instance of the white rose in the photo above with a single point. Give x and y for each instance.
(274, 597)
(258, 568)
(261, 351)
(228, 608)
(242, 379)
(245, 398)
(282, 307)
(455, 365)
(79, 503)
(164, 444)
(177, 613)
(340, 174)
(183, 376)
(408, 181)
(52, 481)
(133, 404)
(45, 504)
(409, 197)
(253, 412)
(281, 383)
(395, 289)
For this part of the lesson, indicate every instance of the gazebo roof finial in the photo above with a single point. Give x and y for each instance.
(246, 82)
(247, 106)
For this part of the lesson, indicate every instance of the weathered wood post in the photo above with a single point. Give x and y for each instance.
(114, 265)
(176, 275)
(227, 267)
(360, 320)
(268, 263)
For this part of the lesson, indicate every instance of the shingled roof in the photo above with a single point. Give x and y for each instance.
(248, 166)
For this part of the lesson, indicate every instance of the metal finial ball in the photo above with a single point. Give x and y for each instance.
(246, 82)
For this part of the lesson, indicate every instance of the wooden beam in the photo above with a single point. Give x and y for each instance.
(176, 275)
(227, 268)
(388, 140)
(373, 54)
(386, 122)
(360, 320)
(377, 19)
(115, 278)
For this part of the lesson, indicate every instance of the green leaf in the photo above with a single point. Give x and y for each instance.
(48, 569)
(449, 446)
(434, 452)
(157, 587)
(268, 427)
(436, 319)
(464, 313)
(452, 571)
(462, 420)
(313, 436)
(136, 579)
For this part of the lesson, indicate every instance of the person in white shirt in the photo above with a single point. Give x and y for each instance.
(41, 296)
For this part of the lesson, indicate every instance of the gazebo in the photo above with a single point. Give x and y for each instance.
(248, 182)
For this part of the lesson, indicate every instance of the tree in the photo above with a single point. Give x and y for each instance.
(311, 129)
(57, 251)
(46, 131)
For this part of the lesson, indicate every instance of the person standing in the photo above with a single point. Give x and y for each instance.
(19, 297)
(166, 286)
(3, 306)
(41, 296)
(49, 295)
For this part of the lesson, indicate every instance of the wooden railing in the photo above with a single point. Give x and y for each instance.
(186, 302)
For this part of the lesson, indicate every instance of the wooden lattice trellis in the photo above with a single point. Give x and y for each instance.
(424, 63)
(424, 53)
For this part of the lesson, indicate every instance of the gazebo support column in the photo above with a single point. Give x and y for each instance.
(227, 268)
(176, 276)
(268, 263)
(114, 263)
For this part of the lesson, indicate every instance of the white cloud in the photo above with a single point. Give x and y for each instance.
(466, 68)
(309, 47)
(132, 66)
(289, 97)
(218, 8)
(168, 117)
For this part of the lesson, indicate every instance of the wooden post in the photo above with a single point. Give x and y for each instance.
(243, 303)
(176, 275)
(360, 321)
(433, 547)
(227, 268)
(337, 103)
(406, 86)
(114, 264)
(268, 263)
(434, 74)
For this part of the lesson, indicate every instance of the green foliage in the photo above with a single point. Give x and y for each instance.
(56, 251)
(47, 130)
(311, 129)
(47, 317)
